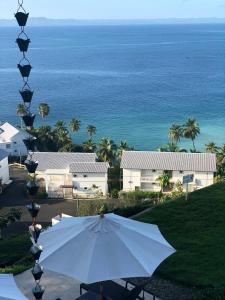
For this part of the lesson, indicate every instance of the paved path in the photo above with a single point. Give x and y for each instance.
(56, 285)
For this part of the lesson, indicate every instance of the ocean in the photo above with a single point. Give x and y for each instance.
(131, 82)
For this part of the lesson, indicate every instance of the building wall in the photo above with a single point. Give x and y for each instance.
(16, 146)
(82, 184)
(4, 170)
(147, 179)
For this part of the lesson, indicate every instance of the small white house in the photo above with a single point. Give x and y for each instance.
(72, 175)
(141, 169)
(11, 140)
(4, 167)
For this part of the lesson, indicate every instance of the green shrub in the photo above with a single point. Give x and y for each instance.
(217, 293)
(136, 198)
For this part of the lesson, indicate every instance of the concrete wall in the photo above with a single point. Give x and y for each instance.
(4, 170)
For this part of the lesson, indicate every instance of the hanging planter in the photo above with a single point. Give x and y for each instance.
(23, 44)
(24, 70)
(21, 18)
(33, 209)
(27, 95)
(37, 272)
(30, 143)
(31, 166)
(32, 188)
(38, 292)
(28, 120)
(35, 231)
(36, 251)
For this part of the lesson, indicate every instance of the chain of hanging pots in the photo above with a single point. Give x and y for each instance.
(26, 93)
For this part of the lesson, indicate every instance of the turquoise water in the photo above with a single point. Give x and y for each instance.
(132, 82)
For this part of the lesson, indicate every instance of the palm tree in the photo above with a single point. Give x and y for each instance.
(191, 131)
(43, 109)
(21, 109)
(75, 125)
(170, 147)
(122, 147)
(91, 130)
(107, 149)
(211, 147)
(164, 180)
(175, 133)
(89, 146)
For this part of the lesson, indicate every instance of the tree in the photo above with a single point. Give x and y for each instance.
(61, 134)
(175, 133)
(89, 146)
(211, 147)
(164, 180)
(43, 109)
(170, 147)
(21, 109)
(107, 150)
(91, 130)
(191, 131)
(11, 217)
(75, 125)
(122, 147)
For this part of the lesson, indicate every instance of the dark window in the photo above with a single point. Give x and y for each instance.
(181, 172)
(8, 146)
(74, 175)
(85, 176)
(14, 142)
(85, 188)
(153, 171)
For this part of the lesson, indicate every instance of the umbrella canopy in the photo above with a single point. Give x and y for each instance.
(107, 247)
(9, 289)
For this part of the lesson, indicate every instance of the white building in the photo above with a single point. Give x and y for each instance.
(11, 140)
(142, 169)
(72, 175)
(4, 167)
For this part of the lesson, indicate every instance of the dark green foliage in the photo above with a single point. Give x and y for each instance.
(196, 229)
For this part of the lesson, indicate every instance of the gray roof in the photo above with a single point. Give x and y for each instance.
(60, 160)
(177, 161)
(3, 154)
(89, 167)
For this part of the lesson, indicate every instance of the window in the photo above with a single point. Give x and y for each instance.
(75, 187)
(85, 176)
(153, 171)
(85, 188)
(14, 142)
(74, 175)
(15, 151)
(181, 172)
(8, 146)
(130, 182)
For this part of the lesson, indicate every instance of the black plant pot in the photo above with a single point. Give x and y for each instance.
(23, 44)
(37, 272)
(35, 231)
(27, 95)
(33, 209)
(32, 188)
(29, 120)
(38, 292)
(36, 251)
(24, 70)
(31, 166)
(21, 18)
(30, 143)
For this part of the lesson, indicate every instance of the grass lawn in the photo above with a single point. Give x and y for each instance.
(197, 230)
(14, 254)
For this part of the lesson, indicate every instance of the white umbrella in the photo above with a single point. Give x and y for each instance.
(9, 289)
(93, 249)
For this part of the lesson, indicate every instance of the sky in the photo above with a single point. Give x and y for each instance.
(117, 9)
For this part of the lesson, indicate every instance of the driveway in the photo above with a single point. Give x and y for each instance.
(15, 197)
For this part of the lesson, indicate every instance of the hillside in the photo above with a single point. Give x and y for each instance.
(197, 230)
